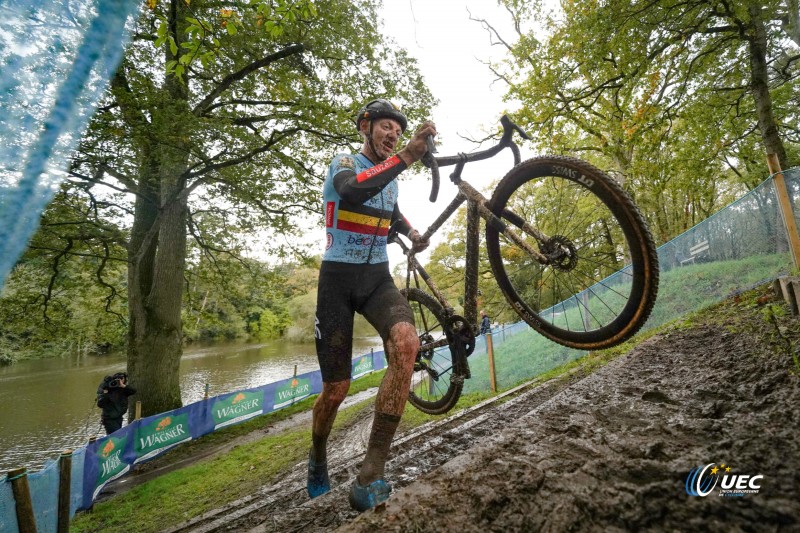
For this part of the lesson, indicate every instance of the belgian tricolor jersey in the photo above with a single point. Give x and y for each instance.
(360, 203)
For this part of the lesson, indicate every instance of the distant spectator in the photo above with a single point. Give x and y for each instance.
(486, 324)
(112, 398)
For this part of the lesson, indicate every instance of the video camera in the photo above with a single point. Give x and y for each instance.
(115, 380)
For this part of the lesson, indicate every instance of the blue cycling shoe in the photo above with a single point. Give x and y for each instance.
(363, 498)
(318, 482)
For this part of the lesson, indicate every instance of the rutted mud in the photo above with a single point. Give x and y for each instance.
(606, 452)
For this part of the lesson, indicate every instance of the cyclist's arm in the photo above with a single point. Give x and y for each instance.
(358, 188)
(400, 223)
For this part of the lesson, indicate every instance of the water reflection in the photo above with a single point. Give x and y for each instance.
(48, 405)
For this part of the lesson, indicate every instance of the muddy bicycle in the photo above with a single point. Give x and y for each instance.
(570, 252)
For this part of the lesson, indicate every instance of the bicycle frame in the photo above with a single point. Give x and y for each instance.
(477, 208)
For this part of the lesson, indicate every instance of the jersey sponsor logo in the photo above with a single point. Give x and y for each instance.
(377, 169)
(366, 240)
(329, 241)
(347, 162)
(330, 209)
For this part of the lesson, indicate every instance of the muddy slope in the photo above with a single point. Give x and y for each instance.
(605, 452)
(612, 453)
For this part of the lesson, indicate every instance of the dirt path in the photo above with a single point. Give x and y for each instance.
(607, 452)
(613, 452)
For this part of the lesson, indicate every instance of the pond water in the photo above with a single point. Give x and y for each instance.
(48, 405)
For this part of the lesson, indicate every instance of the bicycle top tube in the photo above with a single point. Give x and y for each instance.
(505, 142)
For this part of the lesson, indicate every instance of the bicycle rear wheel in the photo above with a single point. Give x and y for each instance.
(433, 388)
(599, 283)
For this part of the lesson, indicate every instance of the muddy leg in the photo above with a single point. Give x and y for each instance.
(401, 350)
(323, 416)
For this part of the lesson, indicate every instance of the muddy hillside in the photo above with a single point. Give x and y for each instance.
(608, 448)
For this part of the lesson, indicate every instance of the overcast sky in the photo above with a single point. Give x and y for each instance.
(451, 49)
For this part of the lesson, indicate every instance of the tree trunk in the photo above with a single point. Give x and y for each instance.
(157, 252)
(760, 86)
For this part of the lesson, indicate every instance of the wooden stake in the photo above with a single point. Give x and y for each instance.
(64, 484)
(26, 522)
(138, 410)
(787, 213)
(490, 353)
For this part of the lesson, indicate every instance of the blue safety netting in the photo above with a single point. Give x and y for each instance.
(8, 509)
(44, 496)
(56, 57)
(76, 481)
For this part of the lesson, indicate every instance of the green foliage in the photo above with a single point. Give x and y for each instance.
(658, 94)
(70, 302)
(271, 325)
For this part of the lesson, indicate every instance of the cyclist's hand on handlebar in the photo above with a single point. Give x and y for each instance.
(418, 244)
(417, 146)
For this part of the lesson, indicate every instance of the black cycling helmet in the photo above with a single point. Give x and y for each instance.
(381, 108)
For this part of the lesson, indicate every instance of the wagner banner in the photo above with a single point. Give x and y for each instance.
(362, 366)
(111, 457)
(161, 434)
(109, 461)
(291, 391)
(237, 407)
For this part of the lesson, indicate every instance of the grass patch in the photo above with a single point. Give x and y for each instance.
(522, 354)
(177, 496)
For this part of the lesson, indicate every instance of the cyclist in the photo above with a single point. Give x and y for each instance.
(360, 204)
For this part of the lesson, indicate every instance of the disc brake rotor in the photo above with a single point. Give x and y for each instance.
(561, 253)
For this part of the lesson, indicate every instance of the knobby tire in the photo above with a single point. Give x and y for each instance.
(432, 396)
(580, 302)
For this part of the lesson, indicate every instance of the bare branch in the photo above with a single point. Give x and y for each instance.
(242, 73)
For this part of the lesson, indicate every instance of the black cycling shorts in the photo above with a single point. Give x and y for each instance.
(343, 290)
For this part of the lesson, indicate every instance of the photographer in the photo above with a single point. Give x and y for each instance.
(112, 398)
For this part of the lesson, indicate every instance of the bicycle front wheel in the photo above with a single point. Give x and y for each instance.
(433, 389)
(595, 282)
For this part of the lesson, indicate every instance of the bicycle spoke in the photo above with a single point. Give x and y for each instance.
(587, 228)
(432, 389)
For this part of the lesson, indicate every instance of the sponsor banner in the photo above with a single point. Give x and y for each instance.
(109, 461)
(291, 391)
(160, 434)
(362, 366)
(112, 457)
(237, 408)
(378, 360)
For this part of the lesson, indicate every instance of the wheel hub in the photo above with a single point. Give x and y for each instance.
(561, 253)
(426, 338)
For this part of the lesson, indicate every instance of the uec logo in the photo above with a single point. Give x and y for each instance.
(703, 479)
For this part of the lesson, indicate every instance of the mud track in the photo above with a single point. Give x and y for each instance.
(606, 452)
